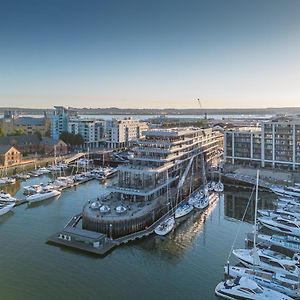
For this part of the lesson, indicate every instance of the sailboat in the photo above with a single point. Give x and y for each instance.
(266, 259)
(167, 225)
(203, 199)
(253, 284)
(219, 186)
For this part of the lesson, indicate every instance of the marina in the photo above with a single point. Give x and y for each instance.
(188, 247)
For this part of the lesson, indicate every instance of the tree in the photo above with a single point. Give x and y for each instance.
(48, 133)
(72, 139)
(17, 132)
(38, 134)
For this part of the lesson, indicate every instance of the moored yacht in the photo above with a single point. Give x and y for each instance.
(269, 260)
(6, 197)
(165, 227)
(196, 197)
(43, 195)
(32, 189)
(281, 224)
(64, 181)
(23, 176)
(7, 180)
(286, 284)
(42, 171)
(183, 210)
(285, 192)
(5, 208)
(202, 203)
(211, 186)
(246, 288)
(279, 212)
(285, 241)
(219, 187)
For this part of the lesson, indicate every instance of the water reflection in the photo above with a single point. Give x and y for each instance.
(11, 188)
(6, 216)
(235, 204)
(174, 246)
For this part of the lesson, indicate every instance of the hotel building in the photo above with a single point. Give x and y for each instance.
(164, 160)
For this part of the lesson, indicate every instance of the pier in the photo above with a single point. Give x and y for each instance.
(246, 181)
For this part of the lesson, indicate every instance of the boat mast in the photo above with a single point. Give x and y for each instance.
(255, 256)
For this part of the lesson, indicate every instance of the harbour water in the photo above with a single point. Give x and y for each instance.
(187, 264)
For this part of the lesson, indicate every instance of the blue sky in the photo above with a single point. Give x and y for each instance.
(142, 54)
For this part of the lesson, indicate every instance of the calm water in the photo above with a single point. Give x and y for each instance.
(187, 264)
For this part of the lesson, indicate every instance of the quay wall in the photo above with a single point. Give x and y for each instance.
(114, 227)
(117, 228)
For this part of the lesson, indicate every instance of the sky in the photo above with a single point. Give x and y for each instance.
(150, 53)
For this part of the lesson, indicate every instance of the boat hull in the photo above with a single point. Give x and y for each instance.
(42, 197)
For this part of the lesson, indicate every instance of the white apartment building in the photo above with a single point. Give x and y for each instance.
(122, 133)
(92, 131)
(275, 144)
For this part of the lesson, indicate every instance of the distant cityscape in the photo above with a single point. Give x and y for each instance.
(166, 111)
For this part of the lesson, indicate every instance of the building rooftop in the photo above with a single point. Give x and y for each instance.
(19, 140)
(4, 148)
(173, 131)
(84, 233)
(50, 142)
(27, 121)
(133, 209)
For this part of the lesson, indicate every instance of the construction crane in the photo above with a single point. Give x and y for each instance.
(200, 105)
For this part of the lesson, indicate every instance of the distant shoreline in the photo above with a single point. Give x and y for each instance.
(155, 112)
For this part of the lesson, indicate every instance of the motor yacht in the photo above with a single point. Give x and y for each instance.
(286, 284)
(5, 208)
(43, 195)
(246, 288)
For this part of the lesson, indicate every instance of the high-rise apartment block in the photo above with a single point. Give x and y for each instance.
(275, 144)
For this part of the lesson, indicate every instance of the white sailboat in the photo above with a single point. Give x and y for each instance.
(211, 186)
(167, 225)
(219, 186)
(183, 210)
(202, 201)
(265, 259)
(248, 283)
